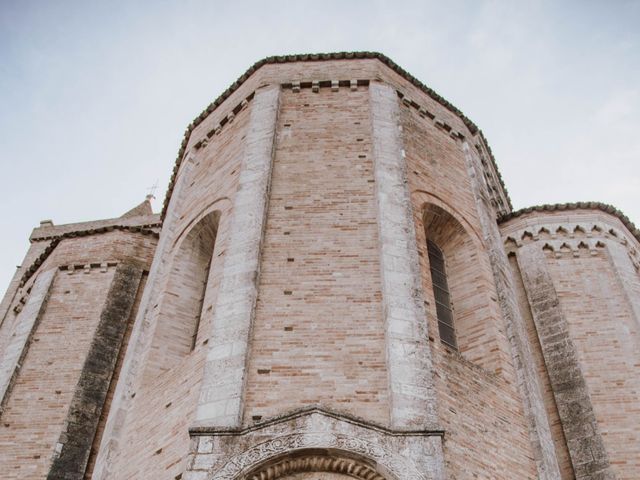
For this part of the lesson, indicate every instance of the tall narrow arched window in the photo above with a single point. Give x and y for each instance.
(183, 302)
(461, 289)
(456, 283)
(441, 294)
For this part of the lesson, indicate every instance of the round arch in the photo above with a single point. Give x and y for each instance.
(466, 317)
(333, 461)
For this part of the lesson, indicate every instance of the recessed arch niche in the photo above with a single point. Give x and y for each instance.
(183, 299)
(461, 281)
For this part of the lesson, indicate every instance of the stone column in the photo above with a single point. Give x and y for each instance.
(222, 389)
(411, 391)
(584, 441)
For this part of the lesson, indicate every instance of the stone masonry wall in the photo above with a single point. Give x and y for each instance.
(553, 419)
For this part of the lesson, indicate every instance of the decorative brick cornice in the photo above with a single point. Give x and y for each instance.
(556, 207)
(56, 239)
(318, 57)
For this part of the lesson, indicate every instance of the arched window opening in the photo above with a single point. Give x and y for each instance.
(461, 288)
(184, 298)
(441, 294)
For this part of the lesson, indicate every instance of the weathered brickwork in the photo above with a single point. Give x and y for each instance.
(613, 391)
(75, 442)
(280, 318)
(473, 401)
(39, 412)
(573, 271)
(36, 412)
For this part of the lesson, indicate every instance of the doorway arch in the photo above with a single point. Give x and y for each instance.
(336, 463)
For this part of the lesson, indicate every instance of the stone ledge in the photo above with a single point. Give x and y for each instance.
(313, 409)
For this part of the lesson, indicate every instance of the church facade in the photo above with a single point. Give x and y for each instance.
(337, 287)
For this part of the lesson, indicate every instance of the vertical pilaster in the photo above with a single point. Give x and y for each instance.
(411, 390)
(25, 326)
(222, 388)
(584, 441)
(525, 369)
(74, 445)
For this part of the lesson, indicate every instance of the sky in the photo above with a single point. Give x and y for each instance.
(95, 96)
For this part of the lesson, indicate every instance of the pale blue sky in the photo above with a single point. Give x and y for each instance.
(95, 96)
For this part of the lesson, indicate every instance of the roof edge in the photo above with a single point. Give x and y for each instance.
(555, 207)
(311, 57)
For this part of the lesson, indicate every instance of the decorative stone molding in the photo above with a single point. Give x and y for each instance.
(70, 270)
(316, 85)
(316, 463)
(339, 443)
(562, 236)
(426, 114)
(611, 210)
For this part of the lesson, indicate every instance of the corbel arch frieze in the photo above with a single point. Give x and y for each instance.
(570, 237)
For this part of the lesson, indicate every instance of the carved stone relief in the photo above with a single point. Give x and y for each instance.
(315, 467)
(315, 441)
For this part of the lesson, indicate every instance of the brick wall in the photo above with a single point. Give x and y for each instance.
(478, 403)
(607, 344)
(38, 405)
(587, 332)
(318, 335)
(208, 181)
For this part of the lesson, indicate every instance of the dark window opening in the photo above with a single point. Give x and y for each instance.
(441, 294)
